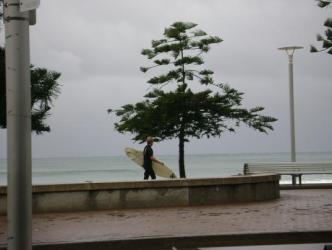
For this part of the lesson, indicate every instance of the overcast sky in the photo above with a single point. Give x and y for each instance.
(96, 47)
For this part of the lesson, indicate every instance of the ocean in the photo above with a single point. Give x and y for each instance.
(120, 168)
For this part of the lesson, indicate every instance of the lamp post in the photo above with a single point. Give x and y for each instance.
(18, 15)
(290, 52)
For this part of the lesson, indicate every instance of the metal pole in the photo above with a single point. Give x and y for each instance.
(291, 106)
(290, 52)
(19, 195)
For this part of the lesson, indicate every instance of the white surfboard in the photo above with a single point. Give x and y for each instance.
(159, 169)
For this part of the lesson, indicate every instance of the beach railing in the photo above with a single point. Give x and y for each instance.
(295, 169)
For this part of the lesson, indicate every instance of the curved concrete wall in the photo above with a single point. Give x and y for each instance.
(156, 193)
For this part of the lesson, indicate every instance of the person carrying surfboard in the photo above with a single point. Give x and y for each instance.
(148, 158)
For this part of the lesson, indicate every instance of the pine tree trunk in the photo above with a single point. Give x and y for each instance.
(181, 136)
(181, 156)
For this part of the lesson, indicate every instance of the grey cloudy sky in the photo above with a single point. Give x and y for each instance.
(96, 46)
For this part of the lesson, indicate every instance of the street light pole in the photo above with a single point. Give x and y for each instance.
(290, 52)
(18, 15)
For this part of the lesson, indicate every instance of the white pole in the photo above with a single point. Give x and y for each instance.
(18, 126)
(291, 106)
(290, 52)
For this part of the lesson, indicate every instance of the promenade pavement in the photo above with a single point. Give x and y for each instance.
(299, 216)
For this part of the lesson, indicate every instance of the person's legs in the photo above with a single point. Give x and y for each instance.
(146, 174)
(149, 172)
(153, 175)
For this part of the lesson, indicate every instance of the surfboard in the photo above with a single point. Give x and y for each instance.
(159, 169)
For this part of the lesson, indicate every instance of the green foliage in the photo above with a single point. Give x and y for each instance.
(327, 39)
(44, 88)
(179, 39)
(323, 3)
(181, 113)
(199, 114)
(1, 11)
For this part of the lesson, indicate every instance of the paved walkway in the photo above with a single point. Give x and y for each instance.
(299, 216)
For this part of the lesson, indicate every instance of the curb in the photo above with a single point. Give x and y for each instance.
(164, 242)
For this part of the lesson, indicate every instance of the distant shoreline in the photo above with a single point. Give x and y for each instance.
(193, 154)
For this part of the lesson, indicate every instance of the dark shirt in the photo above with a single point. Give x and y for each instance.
(147, 153)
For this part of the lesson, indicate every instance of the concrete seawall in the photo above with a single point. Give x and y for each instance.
(157, 193)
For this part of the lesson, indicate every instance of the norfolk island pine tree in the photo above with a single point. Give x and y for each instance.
(180, 112)
(327, 39)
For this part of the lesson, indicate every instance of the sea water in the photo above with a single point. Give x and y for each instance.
(121, 168)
